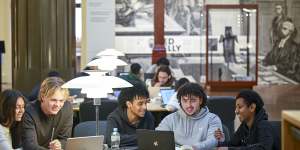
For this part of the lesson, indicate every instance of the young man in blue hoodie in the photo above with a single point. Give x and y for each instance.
(192, 124)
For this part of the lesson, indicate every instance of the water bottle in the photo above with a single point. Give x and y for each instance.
(115, 139)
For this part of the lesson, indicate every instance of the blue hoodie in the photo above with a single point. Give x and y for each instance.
(197, 130)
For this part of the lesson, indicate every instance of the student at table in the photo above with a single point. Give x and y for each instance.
(192, 124)
(130, 115)
(135, 75)
(255, 132)
(12, 104)
(162, 78)
(48, 121)
(173, 104)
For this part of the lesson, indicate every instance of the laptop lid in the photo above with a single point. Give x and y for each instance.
(153, 91)
(154, 140)
(166, 95)
(85, 143)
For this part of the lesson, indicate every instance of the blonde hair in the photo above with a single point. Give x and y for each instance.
(50, 85)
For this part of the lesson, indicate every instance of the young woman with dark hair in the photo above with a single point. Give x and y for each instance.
(12, 104)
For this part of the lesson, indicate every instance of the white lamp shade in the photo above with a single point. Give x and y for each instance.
(96, 90)
(100, 82)
(96, 94)
(107, 63)
(96, 73)
(110, 52)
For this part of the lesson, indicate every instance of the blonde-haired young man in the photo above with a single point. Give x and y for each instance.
(47, 122)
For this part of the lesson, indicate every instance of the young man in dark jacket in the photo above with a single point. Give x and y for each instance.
(255, 132)
(47, 122)
(130, 115)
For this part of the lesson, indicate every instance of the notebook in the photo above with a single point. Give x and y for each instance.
(166, 95)
(155, 140)
(85, 143)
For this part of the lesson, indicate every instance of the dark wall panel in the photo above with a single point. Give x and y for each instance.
(42, 41)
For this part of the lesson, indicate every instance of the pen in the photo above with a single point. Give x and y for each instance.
(52, 134)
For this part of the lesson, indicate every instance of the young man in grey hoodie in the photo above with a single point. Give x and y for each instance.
(192, 124)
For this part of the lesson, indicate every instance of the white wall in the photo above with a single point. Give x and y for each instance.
(5, 34)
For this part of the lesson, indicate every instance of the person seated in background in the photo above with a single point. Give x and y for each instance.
(162, 78)
(255, 132)
(192, 124)
(163, 61)
(130, 115)
(135, 75)
(12, 104)
(36, 89)
(173, 104)
(48, 121)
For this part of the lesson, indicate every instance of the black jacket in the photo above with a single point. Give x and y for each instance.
(260, 137)
(118, 119)
(37, 127)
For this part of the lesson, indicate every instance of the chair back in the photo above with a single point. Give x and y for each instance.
(87, 110)
(276, 125)
(88, 128)
(224, 107)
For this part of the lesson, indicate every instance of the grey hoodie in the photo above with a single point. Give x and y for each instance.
(197, 130)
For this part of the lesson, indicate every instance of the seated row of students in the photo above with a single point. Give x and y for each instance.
(47, 123)
(193, 124)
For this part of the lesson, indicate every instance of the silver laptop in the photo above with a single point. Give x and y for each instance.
(85, 143)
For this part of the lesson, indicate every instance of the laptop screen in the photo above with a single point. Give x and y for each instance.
(166, 94)
(117, 93)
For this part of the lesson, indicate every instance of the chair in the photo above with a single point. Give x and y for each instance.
(276, 125)
(88, 128)
(87, 109)
(148, 76)
(224, 107)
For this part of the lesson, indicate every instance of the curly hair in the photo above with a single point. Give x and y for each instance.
(192, 89)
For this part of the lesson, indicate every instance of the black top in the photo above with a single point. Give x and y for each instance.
(260, 137)
(37, 127)
(118, 119)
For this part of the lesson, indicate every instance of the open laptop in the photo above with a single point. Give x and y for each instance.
(153, 91)
(154, 140)
(85, 143)
(166, 95)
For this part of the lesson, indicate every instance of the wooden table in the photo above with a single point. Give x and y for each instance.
(290, 118)
(158, 112)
